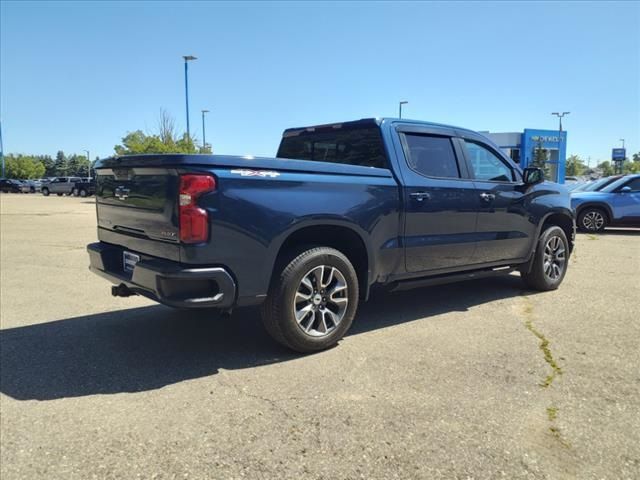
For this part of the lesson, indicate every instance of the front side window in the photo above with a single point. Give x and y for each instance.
(432, 156)
(634, 185)
(486, 165)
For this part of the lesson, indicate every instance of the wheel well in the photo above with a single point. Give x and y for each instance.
(598, 206)
(342, 239)
(564, 222)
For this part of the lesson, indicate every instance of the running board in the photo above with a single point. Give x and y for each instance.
(451, 278)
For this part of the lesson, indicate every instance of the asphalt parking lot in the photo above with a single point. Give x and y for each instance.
(467, 381)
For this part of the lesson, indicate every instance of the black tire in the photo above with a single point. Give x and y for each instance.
(83, 193)
(279, 309)
(45, 191)
(75, 192)
(544, 275)
(592, 219)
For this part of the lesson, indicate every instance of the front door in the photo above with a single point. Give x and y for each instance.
(626, 205)
(504, 231)
(440, 204)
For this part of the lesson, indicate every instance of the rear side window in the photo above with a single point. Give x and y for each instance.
(354, 146)
(432, 156)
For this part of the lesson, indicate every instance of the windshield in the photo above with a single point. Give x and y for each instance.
(600, 184)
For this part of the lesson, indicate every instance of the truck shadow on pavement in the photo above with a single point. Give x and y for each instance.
(146, 348)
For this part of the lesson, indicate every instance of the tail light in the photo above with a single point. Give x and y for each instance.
(194, 221)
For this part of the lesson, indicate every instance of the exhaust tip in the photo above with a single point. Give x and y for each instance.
(121, 291)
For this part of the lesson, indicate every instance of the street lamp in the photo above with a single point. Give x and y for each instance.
(403, 102)
(88, 158)
(187, 59)
(559, 115)
(622, 140)
(204, 143)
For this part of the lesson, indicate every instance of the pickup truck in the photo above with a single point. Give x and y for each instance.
(307, 234)
(60, 186)
(84, 187)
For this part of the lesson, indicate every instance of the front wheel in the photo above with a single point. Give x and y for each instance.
(550, 261)
(592, 220)
(75, 192)
(312, 302)
(45, 192)
(83, 193)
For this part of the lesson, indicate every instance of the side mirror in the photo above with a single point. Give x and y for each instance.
(532, 175)
(626, 189)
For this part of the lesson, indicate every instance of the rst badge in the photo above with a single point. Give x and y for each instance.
(244, 172)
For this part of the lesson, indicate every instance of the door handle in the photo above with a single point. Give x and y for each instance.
(487, 197)
(420, 196)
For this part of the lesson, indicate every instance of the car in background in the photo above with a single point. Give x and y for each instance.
(9, 185)
(30, 186)
(617, 204)
(60, 186)
(85, 187)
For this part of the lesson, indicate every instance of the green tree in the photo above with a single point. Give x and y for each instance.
(636, 157)
(575, 166)
(78, 165)
(540, 157)
(61, 164)
(606, 167)
(631, 167)
(165, 141)
(23, 167)
(49, 165)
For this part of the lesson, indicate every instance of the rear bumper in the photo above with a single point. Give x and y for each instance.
(165, 281)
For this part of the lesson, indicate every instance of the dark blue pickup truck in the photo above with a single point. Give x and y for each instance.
(343, 207)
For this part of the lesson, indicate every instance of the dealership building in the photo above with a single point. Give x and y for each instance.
(521, 148)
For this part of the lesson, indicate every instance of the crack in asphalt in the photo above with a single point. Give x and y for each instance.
(556, 370)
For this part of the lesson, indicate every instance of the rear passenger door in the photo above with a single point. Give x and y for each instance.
(440, 203)
(504, 231)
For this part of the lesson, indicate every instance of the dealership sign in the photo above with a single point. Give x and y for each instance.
(618, 153)
(546, 138)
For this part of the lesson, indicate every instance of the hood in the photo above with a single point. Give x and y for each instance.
(587, 195)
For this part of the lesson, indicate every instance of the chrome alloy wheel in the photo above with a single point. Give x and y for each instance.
(593, 221)
(555, 258)
(321, 300)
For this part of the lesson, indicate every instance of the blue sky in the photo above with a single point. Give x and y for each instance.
(79, 75)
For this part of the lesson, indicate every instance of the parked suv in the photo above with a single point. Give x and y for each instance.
(60, 186)
(8, 185)
(615, 205)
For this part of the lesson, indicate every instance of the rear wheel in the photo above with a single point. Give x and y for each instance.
(550, 260)
(75, 192)
(312, 302)
(45, 191)
(592, 219)
(83, 192)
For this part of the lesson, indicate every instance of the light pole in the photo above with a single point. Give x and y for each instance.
(89, 158)
(403, 102)
(622, 140)
(559, 115)
(204, 142)
(187, 58)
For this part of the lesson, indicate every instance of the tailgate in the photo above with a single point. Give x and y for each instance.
(137, 209)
